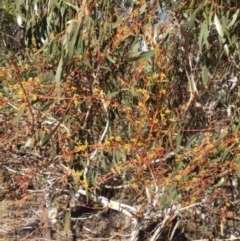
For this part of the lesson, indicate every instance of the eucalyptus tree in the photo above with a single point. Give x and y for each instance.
(136, 97)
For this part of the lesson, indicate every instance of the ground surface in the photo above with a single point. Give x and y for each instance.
(23, 216)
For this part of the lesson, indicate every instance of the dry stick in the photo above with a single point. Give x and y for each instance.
(114, 205)
(168, 217)
(87, 115)
(157, 232)
(192, 88)
(25, 94)
(135, 231)
(174, 230)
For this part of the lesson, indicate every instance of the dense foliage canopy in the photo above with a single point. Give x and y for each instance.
(133, 105)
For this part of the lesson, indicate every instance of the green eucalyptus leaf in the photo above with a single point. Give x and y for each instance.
(19, 115)
(135, 45)
(179, 139)
(203, 35)
(210, 14)
(110, 59)
(143, 55)
(71, 43)
(47, 137)
(110, 95)
(234, 18)
(205, 72)
(75, 7)
(58, 77)
(192, 18)
(104, 164)
(226, 49)
(218, 25)
(233, 39)
(226, 152)
(206, 35)
(142, 8)
(220, 183)
(67, 221)
(117, 24)
(181, 165)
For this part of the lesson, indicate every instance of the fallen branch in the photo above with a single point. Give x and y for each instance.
(105, 202)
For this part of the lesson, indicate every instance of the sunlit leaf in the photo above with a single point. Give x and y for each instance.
(135, 45)
(218, 25)
(142, 8)
(234, 18)
(148, 195)
(58, 77)
(226, 49)
(29, 143)
(220, 183)
(144, 55)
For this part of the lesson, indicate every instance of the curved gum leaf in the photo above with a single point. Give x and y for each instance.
(143, 55)
(218, 25)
